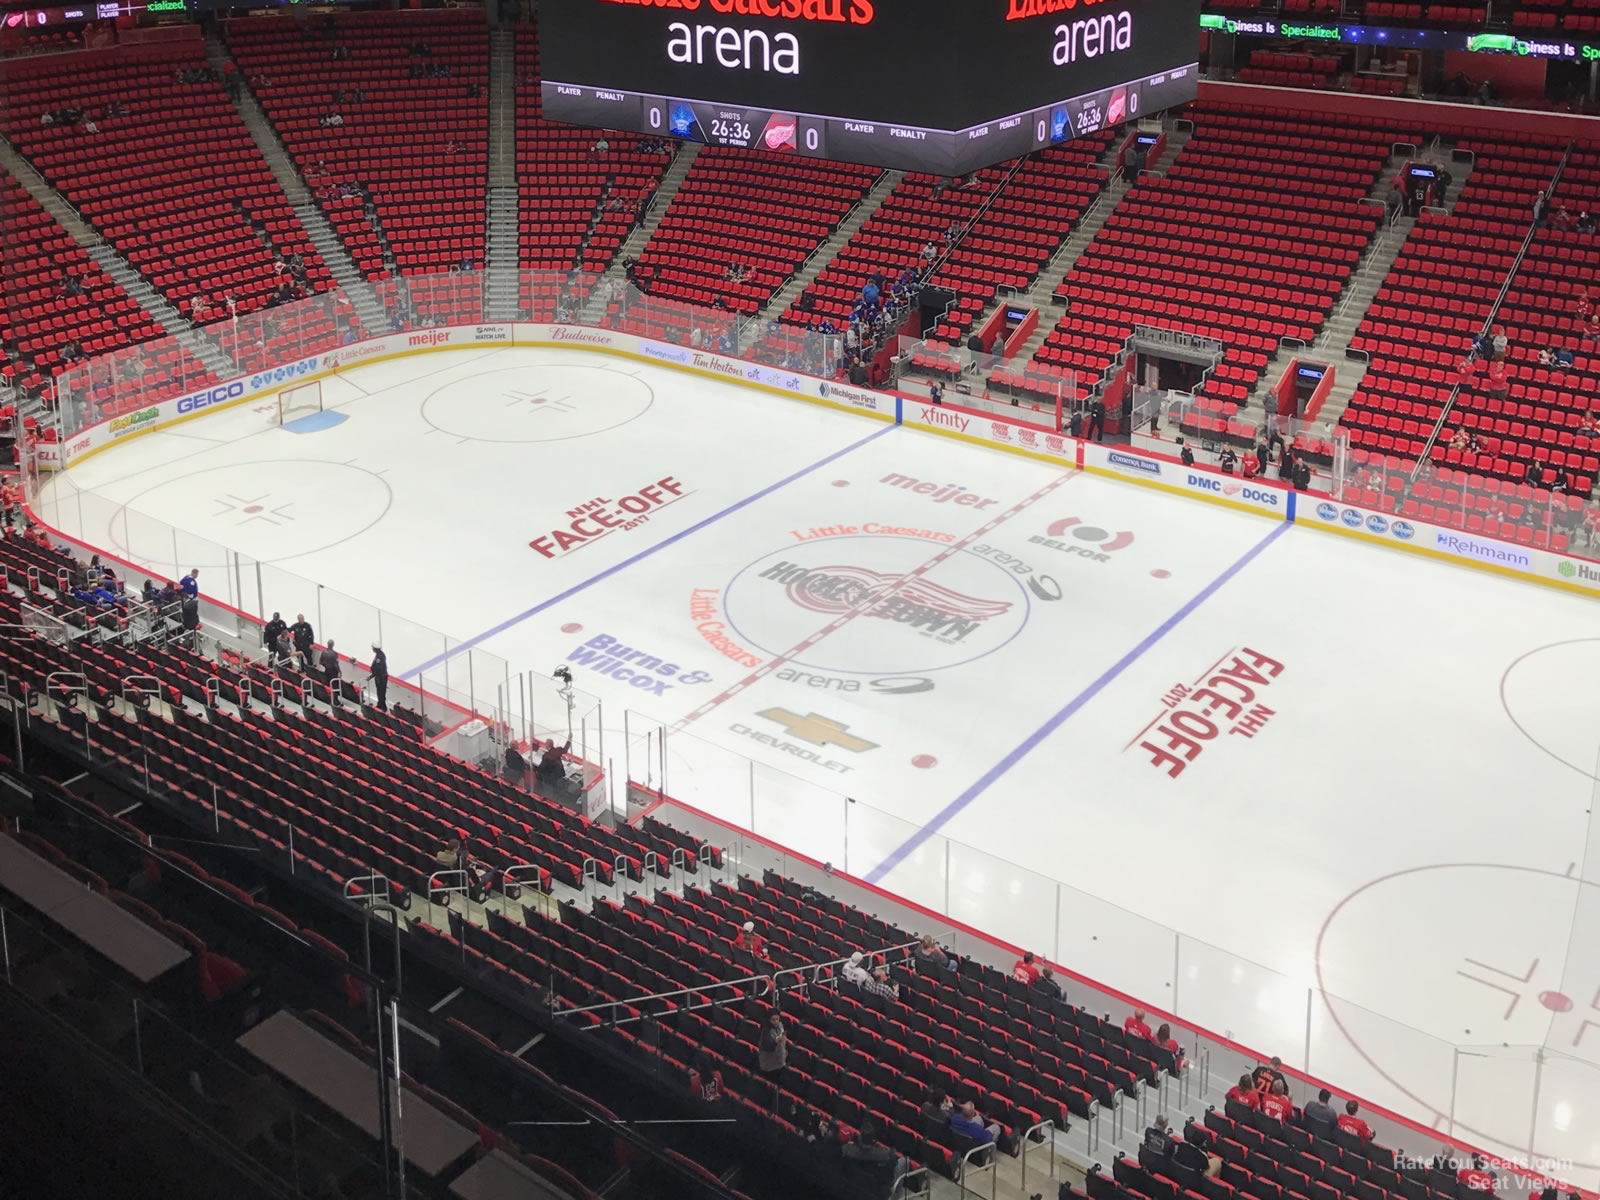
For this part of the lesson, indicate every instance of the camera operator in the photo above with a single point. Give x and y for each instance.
(552, 772)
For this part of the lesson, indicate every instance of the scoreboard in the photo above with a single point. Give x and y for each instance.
(944, 86)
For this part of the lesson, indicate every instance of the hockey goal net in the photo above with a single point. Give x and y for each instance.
(299, 401)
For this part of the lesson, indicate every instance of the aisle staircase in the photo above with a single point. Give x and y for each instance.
(614, 278)
(824, 254)
(1333, 343)
(189, 336)
(1041, 295)
(328, 243)
(503, 198)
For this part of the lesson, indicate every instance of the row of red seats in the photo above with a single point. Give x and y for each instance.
(577, 204)
(40, 313)
(146, 175)
(1436, 299)
(415, 141)
(743, 221)
(1213, 249)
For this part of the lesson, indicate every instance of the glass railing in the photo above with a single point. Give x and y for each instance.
(1535, 1100)
(1535, 1095)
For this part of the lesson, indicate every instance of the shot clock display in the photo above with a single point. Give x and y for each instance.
(934, 85)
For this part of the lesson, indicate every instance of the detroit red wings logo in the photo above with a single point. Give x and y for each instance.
(841, 589)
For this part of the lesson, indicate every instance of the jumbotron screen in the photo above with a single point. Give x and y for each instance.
(945, 86)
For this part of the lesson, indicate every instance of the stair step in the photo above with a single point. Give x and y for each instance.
(328, 244)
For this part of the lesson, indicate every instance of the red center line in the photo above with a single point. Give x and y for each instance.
(875, 598)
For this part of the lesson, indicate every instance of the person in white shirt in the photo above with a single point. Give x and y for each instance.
(854, 972)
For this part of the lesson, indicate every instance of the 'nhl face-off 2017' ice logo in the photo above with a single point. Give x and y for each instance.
(885, 609)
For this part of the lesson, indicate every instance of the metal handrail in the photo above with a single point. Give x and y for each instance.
(80, 690)
(153, 688)
(815, 969)
(435, 889)
(982, 209)
(1492, 316)
(700, 855)
(968, 1160)
(635, 1001)
(1027, 1136)
(509, 875)
(1091, 1127)
(374, 879)
(900, 1188)
(281, 688)
(824, 246)
(770, 979)
(591, 873)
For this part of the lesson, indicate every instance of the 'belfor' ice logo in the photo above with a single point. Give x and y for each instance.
(1097, 544)
(877, 601)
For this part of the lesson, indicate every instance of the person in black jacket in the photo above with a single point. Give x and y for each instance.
(871, 1159)
(552, 770)
(303, 636)
(380, 676)
(269, 635)
(329, 664)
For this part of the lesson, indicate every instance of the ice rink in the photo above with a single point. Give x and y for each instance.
(1332, 801)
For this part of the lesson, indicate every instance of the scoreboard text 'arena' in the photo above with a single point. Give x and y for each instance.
(801, 76)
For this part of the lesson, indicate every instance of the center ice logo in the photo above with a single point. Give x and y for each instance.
(944, 613)
(875, 604)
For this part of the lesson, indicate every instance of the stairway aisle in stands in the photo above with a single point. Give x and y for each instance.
(503, 197)
(1042, 295)
(1440, 293)
(298, 194)
(1363, 290)
(1351, 304)
(385, 117)
(193, 340)
(671, 180)
(170, 177)
(824, 254)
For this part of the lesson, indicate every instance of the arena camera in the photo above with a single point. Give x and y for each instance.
(563, 673)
